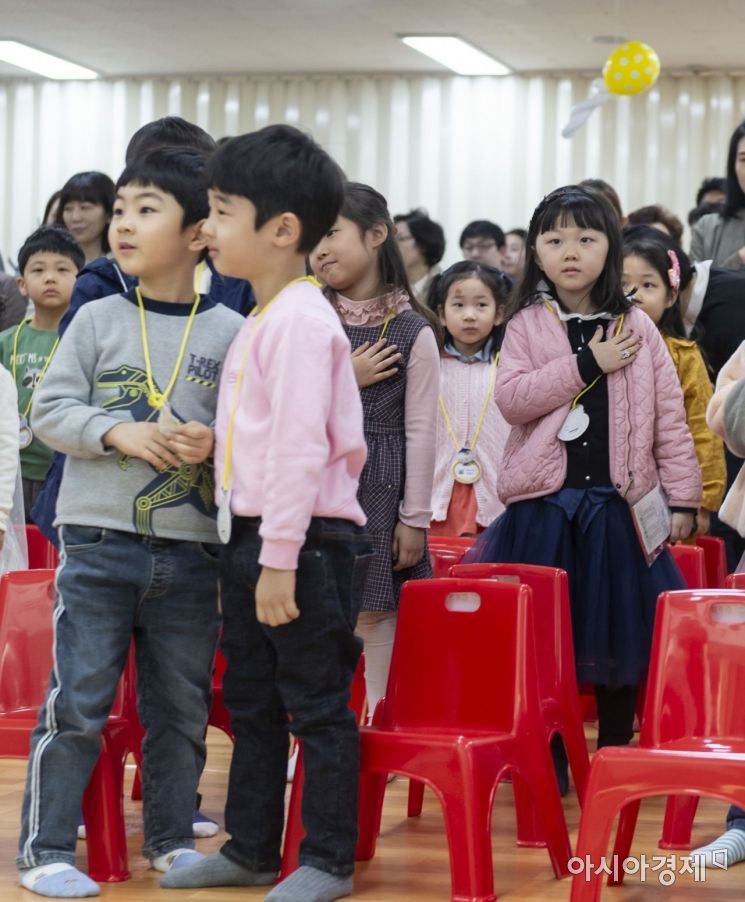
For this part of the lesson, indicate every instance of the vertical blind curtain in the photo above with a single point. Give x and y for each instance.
(464, 148)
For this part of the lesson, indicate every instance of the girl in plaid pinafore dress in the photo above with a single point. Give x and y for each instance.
(361, 264)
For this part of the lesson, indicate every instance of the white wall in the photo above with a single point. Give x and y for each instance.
(464, 148)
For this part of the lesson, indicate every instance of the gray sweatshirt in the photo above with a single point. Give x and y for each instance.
(97, 379)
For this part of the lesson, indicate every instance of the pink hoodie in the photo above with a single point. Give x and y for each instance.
(298, 445)
(538, 378)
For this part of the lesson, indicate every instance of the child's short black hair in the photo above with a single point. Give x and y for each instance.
(88, 187)
(482, 228)
(170, 131)
(280, 169)
(50, 239)
(712, 183)
(178, 171)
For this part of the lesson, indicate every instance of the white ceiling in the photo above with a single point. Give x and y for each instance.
(159, 37)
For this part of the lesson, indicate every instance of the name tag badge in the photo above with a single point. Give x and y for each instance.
(574, 425)
(25, 435)
(225, 517)
(466, 468)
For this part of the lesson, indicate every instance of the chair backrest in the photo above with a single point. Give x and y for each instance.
(42, 555)
(715, 560)
(735, 581)
(690, 561)
(451, 541)
(443, 558)
(26, 603)
(696, 677)
(463, 656)
(551, 618)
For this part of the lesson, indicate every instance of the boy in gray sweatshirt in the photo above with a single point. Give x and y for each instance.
(130, 398)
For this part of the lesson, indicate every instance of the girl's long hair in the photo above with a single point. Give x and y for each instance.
(586, 209)
(654, 246)
(735, 200)
(366, 208)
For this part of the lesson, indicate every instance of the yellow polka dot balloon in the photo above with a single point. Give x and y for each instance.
(632, 68)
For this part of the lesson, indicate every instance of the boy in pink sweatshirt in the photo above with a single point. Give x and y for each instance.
(288, 454)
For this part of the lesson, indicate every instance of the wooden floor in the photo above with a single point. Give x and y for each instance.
(411, 861)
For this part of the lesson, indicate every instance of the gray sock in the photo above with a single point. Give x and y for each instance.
(215, 870)
(308, 884)
(725, 851)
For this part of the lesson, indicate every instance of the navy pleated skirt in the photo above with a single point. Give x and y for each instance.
(613, 592)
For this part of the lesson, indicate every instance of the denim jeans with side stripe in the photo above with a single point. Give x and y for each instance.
(113, 586)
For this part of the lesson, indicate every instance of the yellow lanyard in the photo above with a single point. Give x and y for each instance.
(234, 398)
(482, 416)
(44, 368)
(155, 398)
(597, 378)
(388, 317)
(198, 274)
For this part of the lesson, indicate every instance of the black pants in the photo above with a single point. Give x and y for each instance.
(616, 709)
(303, 671)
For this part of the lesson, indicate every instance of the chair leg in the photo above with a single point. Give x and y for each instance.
(579, 760)
(294, 829)
(595, 828)
(372, 794)
(136, 795)
(547, 802)
(680, 812)
(103, 812)
(624, 837)
(529, 825)
(468, 822)
(416, 798)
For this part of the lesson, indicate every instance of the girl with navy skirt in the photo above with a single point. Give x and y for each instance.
(598, 425)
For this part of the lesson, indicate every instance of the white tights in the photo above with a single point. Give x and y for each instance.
(376, 630)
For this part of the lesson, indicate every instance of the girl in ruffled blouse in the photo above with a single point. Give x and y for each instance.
(396, 358)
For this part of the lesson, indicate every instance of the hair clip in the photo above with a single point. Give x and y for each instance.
(673, 273)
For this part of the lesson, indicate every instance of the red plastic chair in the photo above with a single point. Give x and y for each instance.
(680, 811)
(688, 743)
(445, 551)
(26, 604)
(715, 560)
(557, 682)
(451, 541)
(691, 561)
(294, 830)
(470, 643)
(42, 555)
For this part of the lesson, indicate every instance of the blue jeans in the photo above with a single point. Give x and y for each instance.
(303, 670)
(113, 586)
(735, 818)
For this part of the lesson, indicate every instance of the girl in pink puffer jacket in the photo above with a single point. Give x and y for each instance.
(598, 425)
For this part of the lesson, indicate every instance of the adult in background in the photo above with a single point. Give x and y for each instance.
(720, 237)
(608, 192)
(422, 245)
(483, 242)
(513, 258)
(84, 209)
(659, 218)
